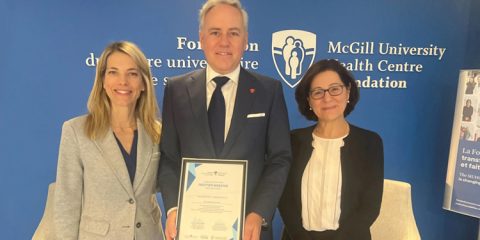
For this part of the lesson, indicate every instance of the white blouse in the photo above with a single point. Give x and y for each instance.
(322, 185)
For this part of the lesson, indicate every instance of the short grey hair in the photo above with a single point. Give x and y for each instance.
(209, 4)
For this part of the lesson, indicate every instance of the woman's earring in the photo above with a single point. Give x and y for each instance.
(310, 108)
(348, 101)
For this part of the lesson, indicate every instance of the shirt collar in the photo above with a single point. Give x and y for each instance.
(233, 76)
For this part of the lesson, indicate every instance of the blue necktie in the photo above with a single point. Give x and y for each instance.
(216, 115)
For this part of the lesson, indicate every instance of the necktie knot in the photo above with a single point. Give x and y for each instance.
(220, 81)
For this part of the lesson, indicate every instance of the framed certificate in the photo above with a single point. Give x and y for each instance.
(211, 204)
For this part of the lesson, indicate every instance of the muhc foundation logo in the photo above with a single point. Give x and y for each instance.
(293, 52)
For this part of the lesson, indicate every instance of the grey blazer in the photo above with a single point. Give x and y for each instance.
(94, 198)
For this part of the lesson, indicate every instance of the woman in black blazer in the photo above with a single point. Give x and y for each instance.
(335, 185)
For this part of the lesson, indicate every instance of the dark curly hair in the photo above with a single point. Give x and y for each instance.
(303, 89)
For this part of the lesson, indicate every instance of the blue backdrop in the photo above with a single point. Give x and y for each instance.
(46, 78)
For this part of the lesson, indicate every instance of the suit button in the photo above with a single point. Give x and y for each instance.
(131, 201)
(139, 225)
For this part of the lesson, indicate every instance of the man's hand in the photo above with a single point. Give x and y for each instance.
(253, 227)
(170, 225)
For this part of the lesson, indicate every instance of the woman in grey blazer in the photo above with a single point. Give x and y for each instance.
(108, 159)
(334, 188)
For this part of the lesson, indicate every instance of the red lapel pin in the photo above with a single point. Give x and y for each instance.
(252, 90)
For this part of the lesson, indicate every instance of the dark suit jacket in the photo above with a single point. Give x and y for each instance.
(263, 141)
(362, 184)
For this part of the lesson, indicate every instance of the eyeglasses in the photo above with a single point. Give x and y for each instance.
(319, 93)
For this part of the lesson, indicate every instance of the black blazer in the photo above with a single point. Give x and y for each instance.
(262, 140)
(362, 185)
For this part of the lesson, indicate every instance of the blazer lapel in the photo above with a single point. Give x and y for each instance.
(305, 152)
(307, 148)
(196, 86)
(144, 155)
(108, 146)
(349, 183)
(243, 103)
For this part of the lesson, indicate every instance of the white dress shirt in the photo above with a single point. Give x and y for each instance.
(229, 91)
(322, 185)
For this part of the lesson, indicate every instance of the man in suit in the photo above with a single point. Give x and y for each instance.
(254, 124)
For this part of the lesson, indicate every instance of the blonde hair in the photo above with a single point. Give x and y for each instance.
(99, 108)
(209, 4)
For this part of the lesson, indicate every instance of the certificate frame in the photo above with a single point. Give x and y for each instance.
(211, 203)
